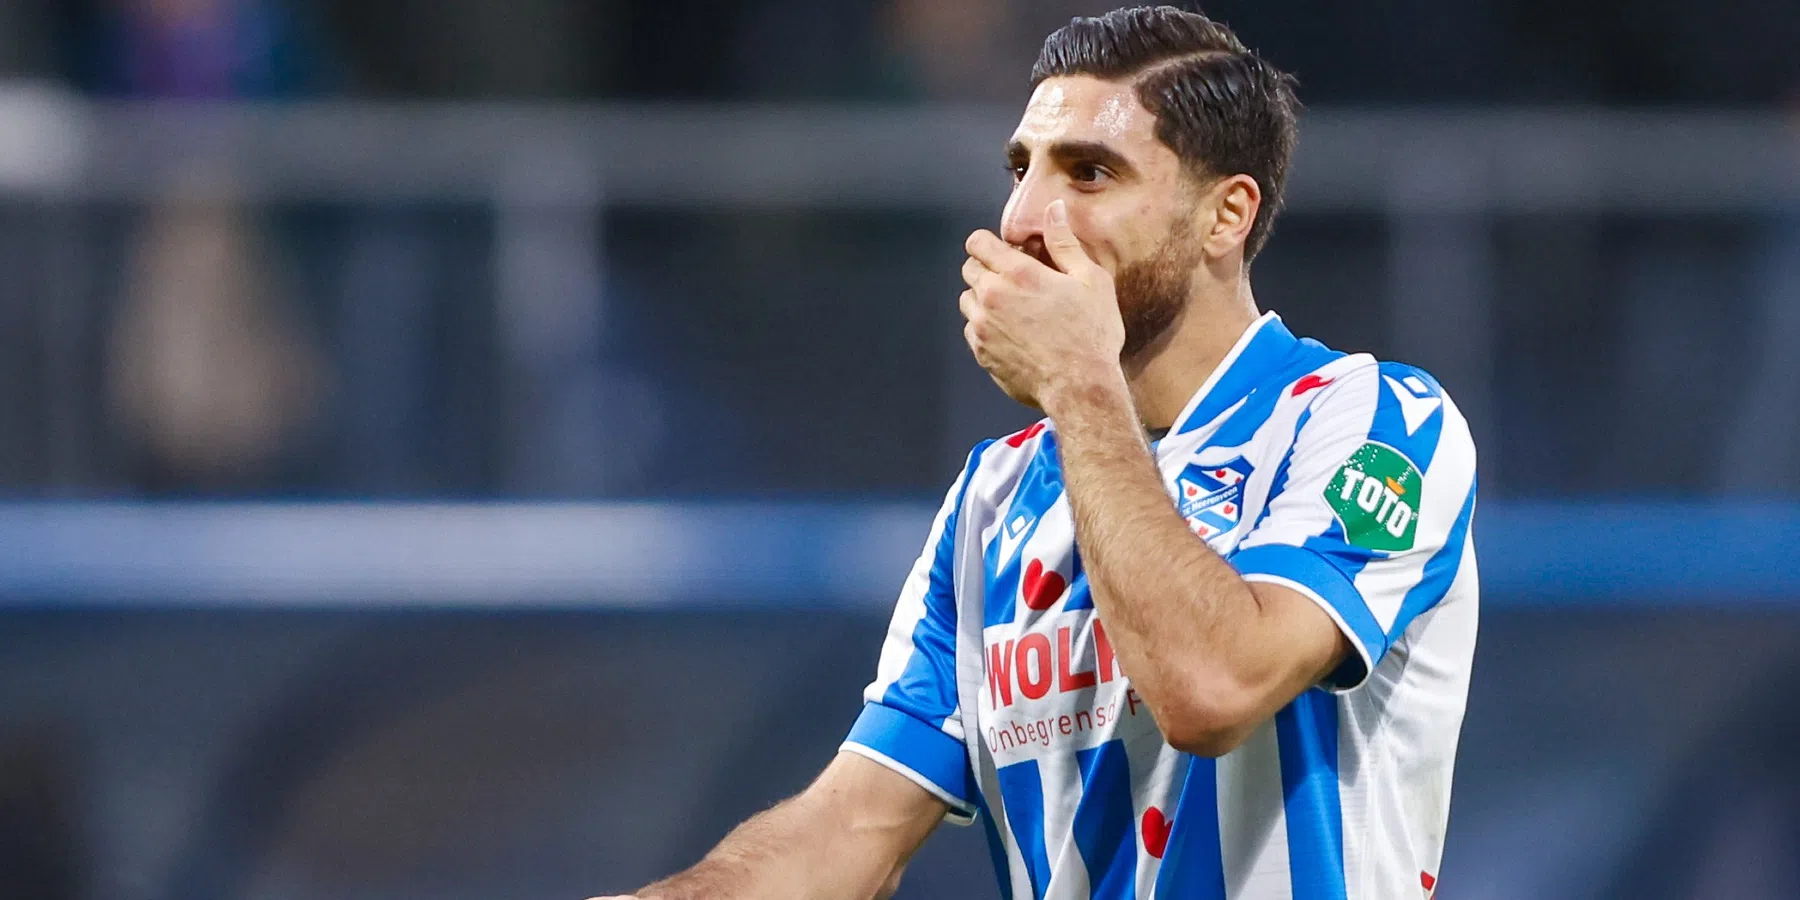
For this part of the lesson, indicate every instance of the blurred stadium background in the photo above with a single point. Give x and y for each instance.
(467, 449)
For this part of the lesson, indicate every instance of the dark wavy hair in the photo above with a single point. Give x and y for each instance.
(1222, 109)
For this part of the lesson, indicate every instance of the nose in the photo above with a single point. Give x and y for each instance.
(1023, 221)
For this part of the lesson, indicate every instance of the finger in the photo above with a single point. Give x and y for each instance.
(1060, 240)
(973, 271)
(969, 305)
(996, 254)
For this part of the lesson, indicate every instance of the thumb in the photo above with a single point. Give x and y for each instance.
(1060, 240)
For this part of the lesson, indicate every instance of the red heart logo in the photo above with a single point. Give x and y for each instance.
(1042, 589)
(1156, 832)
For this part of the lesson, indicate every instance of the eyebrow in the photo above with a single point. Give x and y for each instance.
(1067, 153)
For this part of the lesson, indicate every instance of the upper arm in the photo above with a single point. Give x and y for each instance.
(1369, 515)
(910, 722)
(874, 803)
(871, 814)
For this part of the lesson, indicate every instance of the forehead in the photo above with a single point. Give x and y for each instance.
(1084, 108)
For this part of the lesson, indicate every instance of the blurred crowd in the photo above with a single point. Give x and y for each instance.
(1405, 51)
(292, 349)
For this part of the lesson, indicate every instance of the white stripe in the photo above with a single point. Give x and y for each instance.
(1253, 820)
(998, 474)
(992, 531)
(1276, 437)
(1335, 431)
(1402, 730)
(1360, 713)
(1061, 776)
(1161, 788)
(960, 813)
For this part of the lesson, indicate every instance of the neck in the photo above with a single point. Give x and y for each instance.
(1165, 375)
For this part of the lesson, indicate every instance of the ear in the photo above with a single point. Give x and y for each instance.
(1234, 202)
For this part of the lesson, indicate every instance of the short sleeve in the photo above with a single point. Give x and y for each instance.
(911, 720)
(1369, 514)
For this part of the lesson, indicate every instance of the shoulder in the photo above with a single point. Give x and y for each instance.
(996, 465)
(1395, 404)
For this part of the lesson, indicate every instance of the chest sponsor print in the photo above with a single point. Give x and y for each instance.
(1055, 687)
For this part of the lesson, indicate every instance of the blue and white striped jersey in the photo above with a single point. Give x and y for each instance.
(1349, 480)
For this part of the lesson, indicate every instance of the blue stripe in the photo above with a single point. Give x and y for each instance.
(1193, 864)
(1326, 578)
(1278, 484)
(1079, 595)
(1335, 547)
(927, 686)
(925, 749)
(1038, 489)
(1103, 829)
(1306, 732)
(1022, 791)
(996, 847)
(1243, 424)
(1440, 571)
(1389, 426)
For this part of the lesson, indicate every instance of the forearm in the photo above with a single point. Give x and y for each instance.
(845, 838)
(779, 854)
(1175, 611)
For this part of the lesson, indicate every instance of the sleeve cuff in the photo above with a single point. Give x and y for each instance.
(926, 756)
(1311, 574)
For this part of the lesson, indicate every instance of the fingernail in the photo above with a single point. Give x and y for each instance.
(1058, 213)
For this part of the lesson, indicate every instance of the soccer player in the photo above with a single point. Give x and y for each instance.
(1205, 630)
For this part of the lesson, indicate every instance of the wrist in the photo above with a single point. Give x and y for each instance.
(1085, 388)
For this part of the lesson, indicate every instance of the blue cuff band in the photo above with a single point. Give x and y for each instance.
(1316, 573)
(925, 751)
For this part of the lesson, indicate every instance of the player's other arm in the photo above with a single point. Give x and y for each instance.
(1213, 655)
(903, 767)
(1315, 594)
(846, 837)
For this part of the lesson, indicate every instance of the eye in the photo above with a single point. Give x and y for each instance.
(1088, 173)
(1017, 171)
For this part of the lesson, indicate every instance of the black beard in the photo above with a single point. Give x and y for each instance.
(1153, 291)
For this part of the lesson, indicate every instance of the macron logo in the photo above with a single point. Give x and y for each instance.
(1012, 533)
(1417, 402)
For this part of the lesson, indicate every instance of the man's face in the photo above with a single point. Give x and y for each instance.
(1091, 144)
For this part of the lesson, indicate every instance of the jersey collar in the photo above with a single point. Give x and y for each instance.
(1259, 353)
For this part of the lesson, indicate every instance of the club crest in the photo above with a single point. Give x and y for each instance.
(1211, 498)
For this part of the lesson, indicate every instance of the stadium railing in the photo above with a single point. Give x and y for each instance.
(673, 556)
